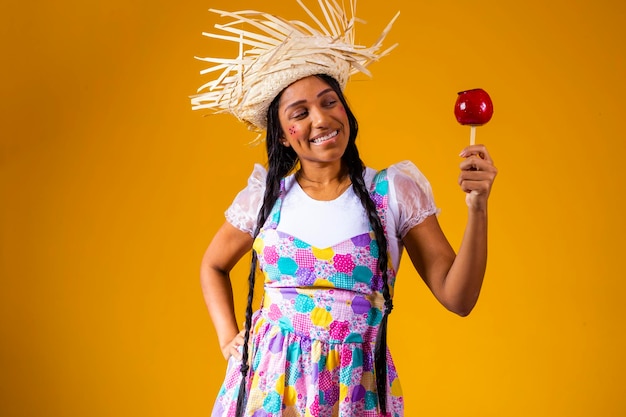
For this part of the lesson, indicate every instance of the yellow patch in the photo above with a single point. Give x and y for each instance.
(332, 360)
(256, 397)
(280, 384)
(290, 396)
(258, 245)
(323, 283)
(255, 381)
(325, 254)
(343, 391)
(316, 351)
(321, 317)
(396, 389)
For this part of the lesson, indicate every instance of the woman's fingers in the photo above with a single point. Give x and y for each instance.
(477, 150)
(235, 353)
(236, 344)
(233, 348)
(477, 175)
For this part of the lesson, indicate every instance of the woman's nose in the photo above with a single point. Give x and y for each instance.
(319, 118)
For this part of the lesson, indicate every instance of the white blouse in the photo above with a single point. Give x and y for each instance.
(325, 223)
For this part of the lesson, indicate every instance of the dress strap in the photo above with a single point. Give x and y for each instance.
(274, 217)
(379, 192)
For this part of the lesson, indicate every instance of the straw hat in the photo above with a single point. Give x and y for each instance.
(275, 52)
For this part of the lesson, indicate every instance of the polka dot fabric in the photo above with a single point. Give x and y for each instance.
(312, 343)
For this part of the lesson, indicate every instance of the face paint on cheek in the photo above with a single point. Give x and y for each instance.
(293, 130)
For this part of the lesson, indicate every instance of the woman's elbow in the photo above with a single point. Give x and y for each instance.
(463, 311)
(463, 307)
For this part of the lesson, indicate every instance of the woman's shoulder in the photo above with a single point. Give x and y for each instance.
(406, 184)
(402, 170)
(411, 197)
(405, 168)
(257, 176)
(243, 211)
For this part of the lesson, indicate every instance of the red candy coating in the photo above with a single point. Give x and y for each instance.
(473, 107)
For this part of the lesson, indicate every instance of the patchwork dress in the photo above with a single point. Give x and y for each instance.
(312, 341)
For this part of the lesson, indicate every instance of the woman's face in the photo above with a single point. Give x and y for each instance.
(313, 121)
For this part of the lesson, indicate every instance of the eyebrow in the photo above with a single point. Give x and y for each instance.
(297, 103)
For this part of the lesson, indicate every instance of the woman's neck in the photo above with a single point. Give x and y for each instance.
(323, 183)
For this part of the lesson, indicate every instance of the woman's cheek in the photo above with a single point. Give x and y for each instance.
(293, 130)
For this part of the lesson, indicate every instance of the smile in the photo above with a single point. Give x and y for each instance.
(324, 138)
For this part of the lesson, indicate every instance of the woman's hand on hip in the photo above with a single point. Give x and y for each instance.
(232, 348)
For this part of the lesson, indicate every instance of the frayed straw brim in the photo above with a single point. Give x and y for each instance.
(277, 52)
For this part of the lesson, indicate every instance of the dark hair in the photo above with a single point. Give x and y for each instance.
(281, 160)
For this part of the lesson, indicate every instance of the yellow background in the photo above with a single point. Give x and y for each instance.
(111, 188)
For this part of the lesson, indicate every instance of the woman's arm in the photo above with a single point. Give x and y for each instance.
(228, 246)
(456, 279)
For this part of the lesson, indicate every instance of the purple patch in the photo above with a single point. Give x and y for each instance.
(360, 305)
(284, 235)
(289, 293)
(358, 393)
(260, 413)
(305, 276)
(368, 362)
(362, 241)
(377, 283)
(315, 373)
(331, 395)
(378, 199)
(218, 410)
(276, 344)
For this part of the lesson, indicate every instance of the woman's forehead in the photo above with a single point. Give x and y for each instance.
(305, 89)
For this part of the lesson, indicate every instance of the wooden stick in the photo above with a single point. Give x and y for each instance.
(472, 135)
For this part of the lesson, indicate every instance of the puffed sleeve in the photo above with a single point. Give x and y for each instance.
(411, 197)
(243, 212)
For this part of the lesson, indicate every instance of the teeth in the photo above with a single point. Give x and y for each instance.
(325, 138)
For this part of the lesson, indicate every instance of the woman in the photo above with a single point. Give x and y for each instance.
(327, 234)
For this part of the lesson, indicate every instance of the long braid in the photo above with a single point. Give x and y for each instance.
(380, 349)
(280, 161)
(244, 361)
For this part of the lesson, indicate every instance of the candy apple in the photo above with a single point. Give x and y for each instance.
(473, 108)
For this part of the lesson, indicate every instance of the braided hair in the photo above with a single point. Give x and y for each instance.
(281, 161)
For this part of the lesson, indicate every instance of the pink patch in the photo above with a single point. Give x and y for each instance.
(343, 263)
(232, 409)
(301, 323)
(305, 259)
(325, 380)
(233, 379)
(315, 407)
(346, 358)
(275, 312)
(339, 329)
(270, 255)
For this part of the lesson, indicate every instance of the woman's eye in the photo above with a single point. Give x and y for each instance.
(330, 103)
(299, 114)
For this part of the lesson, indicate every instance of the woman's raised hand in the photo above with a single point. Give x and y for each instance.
(477, 176)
